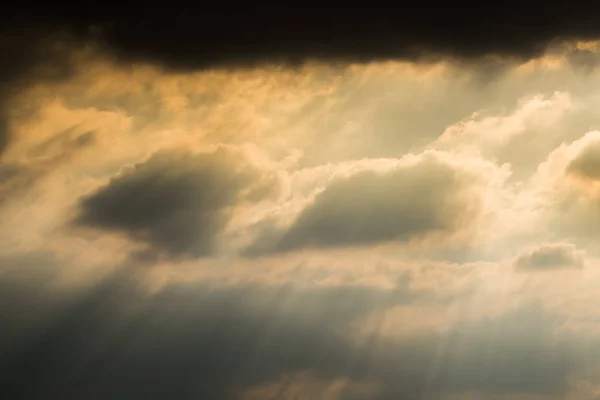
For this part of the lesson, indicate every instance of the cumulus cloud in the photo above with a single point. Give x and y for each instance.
(178, 203)
(550, 257)
(411, 201)
(522, 137)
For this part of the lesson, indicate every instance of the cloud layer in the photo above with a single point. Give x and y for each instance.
(335, 230)
(193, 37)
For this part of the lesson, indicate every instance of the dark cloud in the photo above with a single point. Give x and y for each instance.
(205, 340)
(193, 36)
(38, 37)
(550, 257)
(13, 177)
(587, 162)
(176, 202)
(406, 203)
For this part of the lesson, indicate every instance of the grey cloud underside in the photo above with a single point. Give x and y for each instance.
(406, 203)
(210, 341)
(176, 202)
(550, 257)
(587, 163)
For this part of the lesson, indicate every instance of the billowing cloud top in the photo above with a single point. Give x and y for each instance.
(314, 213)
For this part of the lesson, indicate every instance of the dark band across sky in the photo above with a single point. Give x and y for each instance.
(190, 36)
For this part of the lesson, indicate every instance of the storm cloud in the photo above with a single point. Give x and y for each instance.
(194, 37)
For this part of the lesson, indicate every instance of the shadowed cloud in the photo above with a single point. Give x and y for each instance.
(184, 36)
(550, 257)
(176, 202)
(212, 341)
(364, 224)
(587, 163)
(408, 202)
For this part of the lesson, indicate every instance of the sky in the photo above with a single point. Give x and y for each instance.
(319, 204)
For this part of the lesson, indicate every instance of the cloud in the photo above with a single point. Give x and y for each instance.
(350, 316)
(587, 163)
(583, 57)
(193, 37)
(48, 58)
(413, 200)
(523, 138)
(177, 202)
(567, 192)
(32, 297)
(207, 339)
(496, 130)
(114, 338)
(14, 178)
(303, 385)
(514, 353)
(550, 257)
(17, 177)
